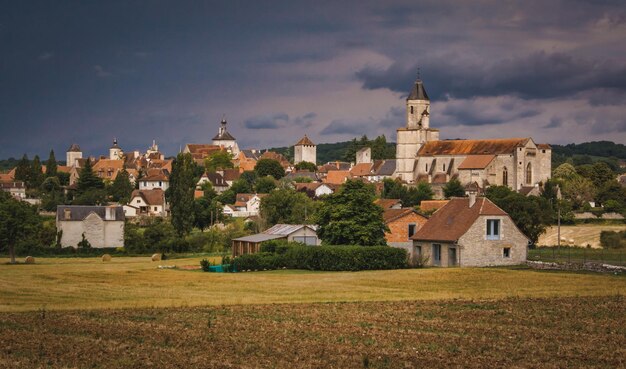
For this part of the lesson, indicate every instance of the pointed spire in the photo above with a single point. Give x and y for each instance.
(418, 92)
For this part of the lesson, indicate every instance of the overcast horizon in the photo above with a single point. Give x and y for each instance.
(88, 72)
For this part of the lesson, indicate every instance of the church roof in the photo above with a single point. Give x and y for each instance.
(418, 92)
(305, 141)
(74, 148)
(225, 136)
(476, 161)
(115, 146)
(472, 147)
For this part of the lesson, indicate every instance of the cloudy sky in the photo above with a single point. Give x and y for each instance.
(88, 71)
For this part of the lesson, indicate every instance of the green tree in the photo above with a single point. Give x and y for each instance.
(241, 186)
(415, 195)
(269, 167)
(88, 180)
(218, 160)
(23, 170)
(249, 176)
(206, 213)
(306, 165)
(265, 184)
(565, 172)
(602, 173)
(227, 197)
(51, 165)
(121, 189)
(531, 214)
(36, 176)
(287, 206)
(18, 221)
(350, 217)
(181, 194)
(52, 194)
(579, 191)
(381, 150)
(612, 191)
(454, 188)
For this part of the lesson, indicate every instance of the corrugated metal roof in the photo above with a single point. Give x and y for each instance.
(286, 229)
(259, 237)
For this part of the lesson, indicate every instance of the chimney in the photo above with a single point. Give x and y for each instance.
(109, 213)
(472, 198)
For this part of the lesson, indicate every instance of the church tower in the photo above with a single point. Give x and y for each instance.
(226, 140)
(115, 152)
(72, 154)
(417, 131)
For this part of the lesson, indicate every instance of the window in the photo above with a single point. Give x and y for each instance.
(436, 254)
(411, 110)
(444, 167)
(307, 240)
(427, 167)
(506, 252)
(67, 214)
(160, 183)
(155, 208)
(145, 183)
(529, 173)
(418, 251)
(505, 177)
(411, 229)
(138, 201)
(493, 229)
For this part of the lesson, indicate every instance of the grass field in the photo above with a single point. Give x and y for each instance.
(135, 282)
(564, 332)
(582, 234)
(573, 254)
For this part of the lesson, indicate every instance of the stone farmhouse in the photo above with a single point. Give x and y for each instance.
(469, 232)
(102, 226)
(421, 156)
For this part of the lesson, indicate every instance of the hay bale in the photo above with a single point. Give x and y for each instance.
(156, 257)
(29, 260)
(106, 257)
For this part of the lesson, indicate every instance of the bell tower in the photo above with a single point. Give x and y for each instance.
(417, 131)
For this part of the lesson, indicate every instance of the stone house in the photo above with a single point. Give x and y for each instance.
(216, 180)
(246, 205)
(470, 232)
(306, 234)
(103, 226)
(402, 224)
(146, 202)
(17, 189)
(155, 179)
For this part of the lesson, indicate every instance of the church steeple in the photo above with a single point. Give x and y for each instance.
(418, 106)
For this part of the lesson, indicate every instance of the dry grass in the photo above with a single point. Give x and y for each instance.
(521, 333)
(583, 234)
(89, 283)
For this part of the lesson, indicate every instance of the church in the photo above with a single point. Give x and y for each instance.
(519, 163)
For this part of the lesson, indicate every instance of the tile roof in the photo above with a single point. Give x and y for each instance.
(428, 205)
(151, 197)
(472, 147)
(154, 174)
(204, 149)
(250, 154)
(334, 165)
(476, 161)
(302, 173)
(337, 176)
(387, 203)
(305, 141)
(276, 156)
(79, 212)
(452, 220)
(361, 169)
(231, 174)
(216, 179)
(390, 215)
(544, 146)
(387, 168)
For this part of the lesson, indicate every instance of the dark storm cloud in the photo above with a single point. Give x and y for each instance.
(555, 122)
(341, 127)
(475, 112)
(267, 122)
(535, 76)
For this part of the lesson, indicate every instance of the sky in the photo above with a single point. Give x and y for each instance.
(87, 72)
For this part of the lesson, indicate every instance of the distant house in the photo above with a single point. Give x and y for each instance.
(246, 205)
(337, 177)
(107, 169)
(103, 226)
(155, 179)
(216, 180)
(470, 232)
(389, 203)
(230, 175)
(317, 189)
(16, 188)
(279, 158)
(306, 234)
(402, 224)
(246, 160)
(146, 202)
(302, 174)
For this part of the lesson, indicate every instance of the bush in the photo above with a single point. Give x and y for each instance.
(278, 246)
(613, 240)
(205, 264)
(327, 258)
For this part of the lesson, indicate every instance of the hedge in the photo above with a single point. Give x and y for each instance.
(327, 258)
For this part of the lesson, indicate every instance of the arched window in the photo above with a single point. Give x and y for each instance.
(505, 177)
(529, 174)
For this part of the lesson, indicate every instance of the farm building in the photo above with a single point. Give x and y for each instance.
(290, 232)
(402, 224)
(470, 231)
(103, 226)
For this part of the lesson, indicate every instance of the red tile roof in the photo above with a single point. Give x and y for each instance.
(337, 176)
(305, 141)
(361, 169)
(472, 147)
(476, 161)
(451, 221)
(394, 214)
(387, 203)
(151, 197)
(428, 205)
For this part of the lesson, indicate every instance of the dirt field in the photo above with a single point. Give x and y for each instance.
(89, 283)
(580, 234)
(548, 333)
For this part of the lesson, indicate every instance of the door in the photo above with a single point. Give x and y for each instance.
(452, 256)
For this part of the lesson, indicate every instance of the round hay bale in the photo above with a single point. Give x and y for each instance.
(156, 257)
(106, 257)
(29, 260)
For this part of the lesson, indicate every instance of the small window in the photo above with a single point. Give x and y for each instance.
(506, 252)
(493, 229)
(543, 151)
(155, 208)
(411, 110)
(427, 167)
(411, 229)
(145, 183)
(138, 201)
(160, 183)
(418, 251)
(444, 167)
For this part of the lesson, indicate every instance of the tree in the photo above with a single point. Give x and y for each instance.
(531, 214)
(23, 170)
(180, 194)
(89, 187)
(454, 188)
(269, 167)
(206, 213)
(121, 189)
(415, 195)
(579, 191)
(265, 184)
(218, 160)
(287, 206)
(565, 172)
(52, 194)
(602, 173)
(36, 174)
(241, 186)
(306, 165)
(249, 176)
(18, 221)
(51, 165)
(350, 217)
(612, 191)
(380, 149)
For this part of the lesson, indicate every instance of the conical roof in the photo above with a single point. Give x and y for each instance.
(418, 92)
(305, 141)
